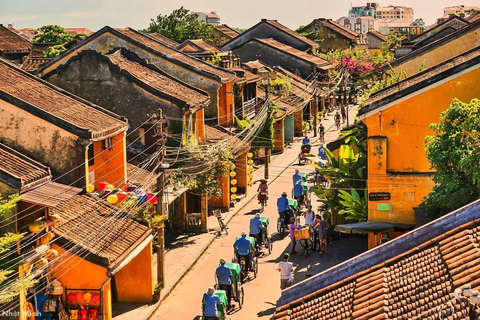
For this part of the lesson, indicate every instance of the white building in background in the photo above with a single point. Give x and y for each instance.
(359, 24)
(395, 12)
(459, 9)
(209, 17)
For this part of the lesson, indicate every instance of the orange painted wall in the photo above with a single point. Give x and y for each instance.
(390, 235)
(396, 150)
(440, 54)
(224, 200)
(134, 283)
(83, 274)
(278, 136)
(200, 125)
(110, 165)
(225, 104)
(241, 170)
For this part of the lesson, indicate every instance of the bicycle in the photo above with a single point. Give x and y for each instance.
(304, 237)
(223, 227)
(263, 200)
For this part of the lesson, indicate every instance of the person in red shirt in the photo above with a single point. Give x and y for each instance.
(262, 188)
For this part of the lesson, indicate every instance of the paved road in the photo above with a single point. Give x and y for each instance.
(261, 293)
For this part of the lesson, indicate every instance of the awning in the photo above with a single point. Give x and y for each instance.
(372, 227)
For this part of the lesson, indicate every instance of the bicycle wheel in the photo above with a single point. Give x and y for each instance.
(255, 267)
(270, 245)
(241, 297)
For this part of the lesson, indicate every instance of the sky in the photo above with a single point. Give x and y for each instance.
(95, 14)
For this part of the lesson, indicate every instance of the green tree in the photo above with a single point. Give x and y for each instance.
(9, 280)
(265, 138)
(52, 34)
(392, 41)
(180, 25)
(454, 153)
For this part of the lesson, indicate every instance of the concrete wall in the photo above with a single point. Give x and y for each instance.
(43, 141)
(373, 41)
(258, 51)
(93, 79)
(446, 51)
(134, 283)
(265, 31)
(396, 149)
(108, 41)
(218, 38)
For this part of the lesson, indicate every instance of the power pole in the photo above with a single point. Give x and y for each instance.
(267, 149)
(160, 188)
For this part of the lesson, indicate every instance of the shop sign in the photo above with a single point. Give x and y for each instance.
(383, 206)
(378, 196)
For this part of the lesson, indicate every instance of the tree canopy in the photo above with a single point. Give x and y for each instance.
(180, 25)
(54, 34)
(454, 153)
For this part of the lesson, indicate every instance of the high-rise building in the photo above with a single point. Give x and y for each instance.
(209, 17)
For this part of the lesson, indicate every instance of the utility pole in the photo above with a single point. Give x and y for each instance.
(315, 115)
(267, 149)
(160, 188)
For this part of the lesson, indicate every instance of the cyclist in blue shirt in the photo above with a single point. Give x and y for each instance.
(256, 228)
(322, 153)
(298, 192)
(242, 247)
(306, 140)
(296, 177)
(211, 302)
(284, 208)
(224, 274)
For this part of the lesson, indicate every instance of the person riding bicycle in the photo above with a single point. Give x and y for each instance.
(298, 192)
(224, 274)
(284, 208)
(322, 153)
(321, 132)
(256, 228)
(296, 177)
(212, 301)
(306, 140)
(262, 188)
(242, 248)
(337, 119)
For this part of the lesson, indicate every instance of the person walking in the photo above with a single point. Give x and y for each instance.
(322, 235)
(309, 216)
(344, 113)
(316, 224)
(285, 267)
(292, 228)
(224, 275)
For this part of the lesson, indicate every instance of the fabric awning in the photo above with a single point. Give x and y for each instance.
(372, 227)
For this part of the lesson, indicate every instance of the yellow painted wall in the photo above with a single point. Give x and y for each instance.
(39, 140)
(134, 283)
(241, 170)
(440, 54)
(224, 200)
(396, 149)
(109, 166)
(83, 274)
(200, 125)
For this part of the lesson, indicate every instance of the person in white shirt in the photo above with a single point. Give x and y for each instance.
(285, 269)
(309, 216)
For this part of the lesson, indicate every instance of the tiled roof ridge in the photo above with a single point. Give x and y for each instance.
(338, 25)
(377, 34)
(131, 56)
(17, 36)
(291, 32)
(121, 122)
(449, 37)
(291, 50)
(157, 36)
(223, 25)
(426, 75)
(203, 63)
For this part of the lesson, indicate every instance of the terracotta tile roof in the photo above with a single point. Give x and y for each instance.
(11, 42)
(32, 64)
(226, 30)
(55, 105)
(292, 51)
(421, 80)
(214, 135)
(38, 49)
(224, 75)
(407, 278)
(163, 39)
(247, 75)
(158, 80)
(78, 30)
(19, 171)
(281, 27)
(139, 176)
(50, 194)
(197, 45)
(377, 34)
(108, 235)
(329, 23)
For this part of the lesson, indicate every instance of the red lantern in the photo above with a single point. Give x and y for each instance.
(79, 297)
(149, 195)
(95, 297)
(122, 196)
(102, 185)
(125, 187)
(153, 200)
(70, 297)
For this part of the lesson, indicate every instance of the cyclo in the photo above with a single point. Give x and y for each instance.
(244, 269)
(265, 238)
(304, 152)
(222, 308)
(306, 200)
(238, 293)
(282, 225)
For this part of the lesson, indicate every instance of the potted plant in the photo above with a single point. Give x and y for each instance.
(156, 292)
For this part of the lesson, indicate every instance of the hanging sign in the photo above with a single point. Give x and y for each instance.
(378, 196)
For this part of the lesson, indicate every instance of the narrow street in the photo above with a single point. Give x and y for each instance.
(261, 293)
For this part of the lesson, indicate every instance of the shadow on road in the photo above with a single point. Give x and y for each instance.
(268, 312)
